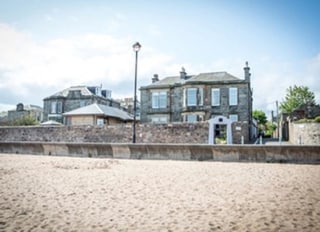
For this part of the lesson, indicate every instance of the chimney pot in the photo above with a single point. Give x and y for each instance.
(247, 73)
(183, 74)
(155, 78)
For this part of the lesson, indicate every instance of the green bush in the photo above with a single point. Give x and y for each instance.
(25, 121)
(305, 120)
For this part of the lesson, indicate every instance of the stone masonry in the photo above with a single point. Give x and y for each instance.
(193, 133)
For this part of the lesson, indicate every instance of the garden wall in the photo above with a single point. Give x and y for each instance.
(191, 133)
(304, 133)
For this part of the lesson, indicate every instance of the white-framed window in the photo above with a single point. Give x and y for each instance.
(100, 121)
(193, 97)
(56, 107)
(159, 119)
(233, 117)
(215, 97)
(191, 118)
(53, 108)
(233, 96)
(159, 100)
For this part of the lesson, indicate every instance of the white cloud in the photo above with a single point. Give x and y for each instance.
(6, 107)
(30, 70)
(27, 66)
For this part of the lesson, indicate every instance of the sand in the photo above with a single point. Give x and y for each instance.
(44, 193)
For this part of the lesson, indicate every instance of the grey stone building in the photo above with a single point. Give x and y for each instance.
(22, 111)
(73, 98)
(192, 98)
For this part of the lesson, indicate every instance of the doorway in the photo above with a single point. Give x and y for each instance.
(220, 130)
(220, 134)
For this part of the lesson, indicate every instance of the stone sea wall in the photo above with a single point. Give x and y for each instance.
(233, 153)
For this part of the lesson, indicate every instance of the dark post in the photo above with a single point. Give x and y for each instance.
(136, 48)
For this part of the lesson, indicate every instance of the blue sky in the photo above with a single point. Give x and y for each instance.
(46, 46)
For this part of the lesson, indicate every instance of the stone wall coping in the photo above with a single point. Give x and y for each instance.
(159, 151)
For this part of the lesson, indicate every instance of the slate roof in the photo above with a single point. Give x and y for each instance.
(64, 93)
(211, 77)
(214, 77)
(102, 110)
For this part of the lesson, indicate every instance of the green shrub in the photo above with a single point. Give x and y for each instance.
(25, 121)
(305, 120)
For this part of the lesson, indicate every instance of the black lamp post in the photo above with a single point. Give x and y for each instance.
(136, 49)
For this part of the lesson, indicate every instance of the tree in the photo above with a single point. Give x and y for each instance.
(296, 97)
(260, 116)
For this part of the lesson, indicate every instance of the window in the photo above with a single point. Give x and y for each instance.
(233, 117)
(82, 103)
(100, 121)
(215, 97)
(56, 107)
(193, 97)
(59, 107)
(53, 107)
(233, 96)
(191, 118)
(159, 100)
(159, 119)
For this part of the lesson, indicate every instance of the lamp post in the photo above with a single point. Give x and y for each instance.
(136, 49)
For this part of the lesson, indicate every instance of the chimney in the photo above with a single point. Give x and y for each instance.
(183, 74)
(155, 78)
(247, 73)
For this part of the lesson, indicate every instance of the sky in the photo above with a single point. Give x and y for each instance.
(47, 46)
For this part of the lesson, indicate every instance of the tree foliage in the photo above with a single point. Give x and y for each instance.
(260, 116)
(264, 125)
(296, 97)
(25, 121)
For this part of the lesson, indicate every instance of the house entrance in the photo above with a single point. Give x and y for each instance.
(220, 130)
(220, 134)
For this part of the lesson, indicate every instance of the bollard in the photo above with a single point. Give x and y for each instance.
(242, 139)
(260, 140)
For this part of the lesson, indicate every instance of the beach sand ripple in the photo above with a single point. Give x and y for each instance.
(44, 193)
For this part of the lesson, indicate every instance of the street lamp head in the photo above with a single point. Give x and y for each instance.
(136, 47)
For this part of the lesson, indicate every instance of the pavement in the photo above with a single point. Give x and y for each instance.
(272, 141)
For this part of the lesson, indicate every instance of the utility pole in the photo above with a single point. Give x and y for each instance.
(278, 121)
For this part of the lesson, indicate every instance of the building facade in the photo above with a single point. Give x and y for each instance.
(73, 98)
(193, 98)
(32, 111)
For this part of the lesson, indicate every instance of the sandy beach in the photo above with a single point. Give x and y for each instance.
(44, 193)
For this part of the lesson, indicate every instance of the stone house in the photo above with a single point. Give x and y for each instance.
(22, 111)
(73, 98)
(194, 98)
(96, 114)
